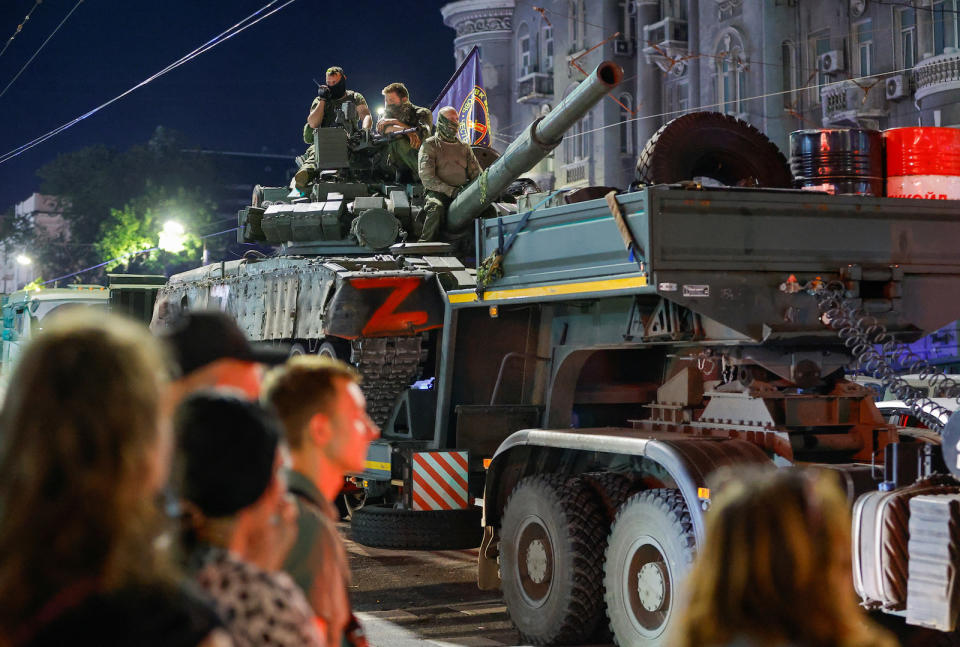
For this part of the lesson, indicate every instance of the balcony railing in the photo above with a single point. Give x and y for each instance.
(937, 74)
(536, 87)
(665, 41)
(575, 172)
(849, 103)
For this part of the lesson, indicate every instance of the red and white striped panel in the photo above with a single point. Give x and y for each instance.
(440, 481)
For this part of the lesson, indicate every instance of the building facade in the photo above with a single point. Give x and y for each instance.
(17, 266)
(781, 65)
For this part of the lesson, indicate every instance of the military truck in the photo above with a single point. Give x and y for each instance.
(24, 311)
(346, 282)
(655, 336)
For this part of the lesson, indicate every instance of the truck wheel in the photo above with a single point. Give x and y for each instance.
(715, 146)
(383, 526)
(551, 552)
(649, 552)
(297, 349)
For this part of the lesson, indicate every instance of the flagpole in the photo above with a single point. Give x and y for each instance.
(453, 78)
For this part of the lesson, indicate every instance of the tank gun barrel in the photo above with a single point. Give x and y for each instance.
(537, 142)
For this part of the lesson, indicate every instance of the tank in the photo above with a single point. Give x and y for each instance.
(344, 280)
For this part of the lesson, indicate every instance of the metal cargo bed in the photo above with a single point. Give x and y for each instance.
(724, 253)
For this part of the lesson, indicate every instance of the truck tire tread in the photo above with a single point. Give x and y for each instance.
(383, 526)
(669, 155)
(671, 505)
(573, 505)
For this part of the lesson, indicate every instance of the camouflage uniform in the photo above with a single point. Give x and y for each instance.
(402, 154)
(308, 167)
(445, 166)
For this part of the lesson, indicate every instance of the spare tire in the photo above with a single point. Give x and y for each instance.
(716, 146)
(384, 526)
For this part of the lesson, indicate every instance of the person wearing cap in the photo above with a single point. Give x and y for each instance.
(326, 425)
(323, 113)
(211, 351)
(240, 523)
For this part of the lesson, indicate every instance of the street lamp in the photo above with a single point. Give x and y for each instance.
(172, 237)
(23, 259)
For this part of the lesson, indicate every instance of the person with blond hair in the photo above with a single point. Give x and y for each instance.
(84, 455)
(775, 568)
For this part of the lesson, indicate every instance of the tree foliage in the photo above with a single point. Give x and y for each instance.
(128, 237)
(114, 201)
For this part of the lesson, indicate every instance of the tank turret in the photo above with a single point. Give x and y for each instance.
(360, 204)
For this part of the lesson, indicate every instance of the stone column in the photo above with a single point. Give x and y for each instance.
(649, 77)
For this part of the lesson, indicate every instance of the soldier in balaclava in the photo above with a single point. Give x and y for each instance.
(322, 114)
(446, 166)
(400, 114)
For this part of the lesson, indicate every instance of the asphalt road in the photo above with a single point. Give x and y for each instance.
(407, 598)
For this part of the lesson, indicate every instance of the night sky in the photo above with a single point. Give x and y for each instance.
(249, 94)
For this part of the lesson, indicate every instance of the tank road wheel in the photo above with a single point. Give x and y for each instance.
(334, 349)
(383, 526)
(649, 552)
(551, 552)
(713, 145)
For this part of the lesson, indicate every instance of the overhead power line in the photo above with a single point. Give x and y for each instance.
(44, 44)
(222, 37)
(16, 32)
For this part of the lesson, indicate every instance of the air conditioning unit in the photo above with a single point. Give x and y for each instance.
(897, 87)
(831, 61)
(623, 47)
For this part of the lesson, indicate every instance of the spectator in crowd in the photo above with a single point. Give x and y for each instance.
(328, 430)
(775, 569)
(83, 457)
(242, 523)
(210, 351)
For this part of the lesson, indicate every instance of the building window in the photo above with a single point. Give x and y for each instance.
(683, 94)
(731, 76)
(945, 32)
(523, 42)
(905, 29)
(819, 45)
(788, 67)
(578, 24)
(673, 9)
(627, 125)
(578, 144)
(547, 48)
(863, 44)
(628, 18)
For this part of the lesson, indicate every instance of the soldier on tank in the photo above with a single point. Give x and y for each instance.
(446, 166)
(322, 114)
(400, 114)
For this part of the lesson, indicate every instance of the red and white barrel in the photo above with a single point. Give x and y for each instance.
(923, 163)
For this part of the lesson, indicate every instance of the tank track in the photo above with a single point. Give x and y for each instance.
(388, 366)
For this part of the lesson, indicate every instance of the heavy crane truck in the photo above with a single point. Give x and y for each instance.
(652, 337)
